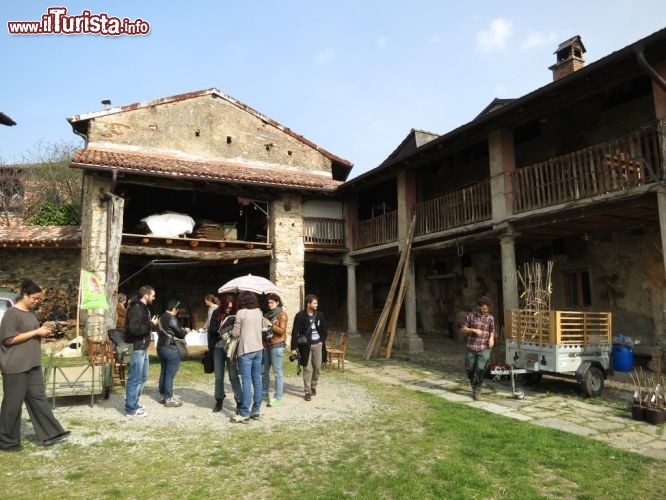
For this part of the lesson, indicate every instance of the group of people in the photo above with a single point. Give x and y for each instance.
(262, 341)
(261, 344)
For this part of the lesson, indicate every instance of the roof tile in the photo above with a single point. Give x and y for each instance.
(161, 164)
(43, 236)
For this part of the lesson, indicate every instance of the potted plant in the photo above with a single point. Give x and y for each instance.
(654, 412)
(640, 397)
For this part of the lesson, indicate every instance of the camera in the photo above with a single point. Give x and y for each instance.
(294, 357)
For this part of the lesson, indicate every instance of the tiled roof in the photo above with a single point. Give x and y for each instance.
(40, 236)
(171, 166)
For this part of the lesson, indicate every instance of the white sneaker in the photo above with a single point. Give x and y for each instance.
(137, 413)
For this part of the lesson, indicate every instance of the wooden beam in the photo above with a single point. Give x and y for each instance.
(195, 254)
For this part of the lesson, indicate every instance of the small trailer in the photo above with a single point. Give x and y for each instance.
(570, 344)
(89, 373)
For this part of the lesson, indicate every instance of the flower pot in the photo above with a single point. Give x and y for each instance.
(638, 412)
(654, 416)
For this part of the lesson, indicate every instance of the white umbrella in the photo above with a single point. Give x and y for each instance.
(249, 283)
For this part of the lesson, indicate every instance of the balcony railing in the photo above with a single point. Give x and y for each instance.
(622, 163)
(376, 231)
(319, 231)
(457, 208)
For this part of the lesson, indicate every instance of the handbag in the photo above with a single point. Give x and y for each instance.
(232, 344)
(302, 340)
(179, 343)
(226, 326)
(182, 347)
(207, 360)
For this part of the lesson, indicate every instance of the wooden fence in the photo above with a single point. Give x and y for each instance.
(458, 208)
(376, 231)
(622, 163)
(320, 231)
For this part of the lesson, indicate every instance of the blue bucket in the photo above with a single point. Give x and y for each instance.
(623, 358)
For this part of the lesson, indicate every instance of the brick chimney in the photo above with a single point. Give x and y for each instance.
(569, 58)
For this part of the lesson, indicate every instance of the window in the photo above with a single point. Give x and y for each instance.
(577, 286)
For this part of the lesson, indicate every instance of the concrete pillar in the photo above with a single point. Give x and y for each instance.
(352, 328)
(509, 276)
(502, 162)
(287, 267)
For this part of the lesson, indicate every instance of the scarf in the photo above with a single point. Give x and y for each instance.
(272, 314)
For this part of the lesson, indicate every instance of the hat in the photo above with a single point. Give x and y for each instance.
(483, 300)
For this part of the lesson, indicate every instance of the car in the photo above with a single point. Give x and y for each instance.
(7, 300)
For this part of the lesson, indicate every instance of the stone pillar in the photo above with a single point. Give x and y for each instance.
(287, 267)
(411, 342)
(352, 328)
(502, 162)
(94, 245)
(406, 185)
(509, 275)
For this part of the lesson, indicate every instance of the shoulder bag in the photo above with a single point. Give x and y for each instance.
(180, 343)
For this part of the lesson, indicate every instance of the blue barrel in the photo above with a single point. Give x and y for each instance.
(623, 358)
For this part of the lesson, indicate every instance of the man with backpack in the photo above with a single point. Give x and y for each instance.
(138, 328)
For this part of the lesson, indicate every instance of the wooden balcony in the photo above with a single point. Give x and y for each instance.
(376, 231)
(619, 164)
(458, 208)
(321, 232)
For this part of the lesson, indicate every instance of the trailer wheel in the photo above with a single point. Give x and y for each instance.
(593, 382)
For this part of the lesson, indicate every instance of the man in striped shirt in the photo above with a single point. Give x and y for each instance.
(480, 330)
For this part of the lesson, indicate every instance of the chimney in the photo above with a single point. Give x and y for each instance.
(106, 103)
(569, 58)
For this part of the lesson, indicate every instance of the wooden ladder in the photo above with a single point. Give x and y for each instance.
(393, 304)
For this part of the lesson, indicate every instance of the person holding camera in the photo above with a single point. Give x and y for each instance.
(22, 379)
(308, 338)
(168, 352)
(274, 344)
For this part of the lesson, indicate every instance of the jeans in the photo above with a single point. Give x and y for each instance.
(219, 360)
(137, 376)
(475, 364)
(272, 357)
(250, 370)
(169, 364)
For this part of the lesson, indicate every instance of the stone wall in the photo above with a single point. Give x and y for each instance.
(208, 127)
(55, 270)
(287, 268)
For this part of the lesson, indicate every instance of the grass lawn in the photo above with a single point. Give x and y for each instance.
(410, 445)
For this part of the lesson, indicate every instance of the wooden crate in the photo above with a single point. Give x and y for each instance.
(559, 327)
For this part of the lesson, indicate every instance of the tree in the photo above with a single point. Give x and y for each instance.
(43, 190)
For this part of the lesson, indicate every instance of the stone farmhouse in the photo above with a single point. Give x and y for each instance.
(572, 172)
